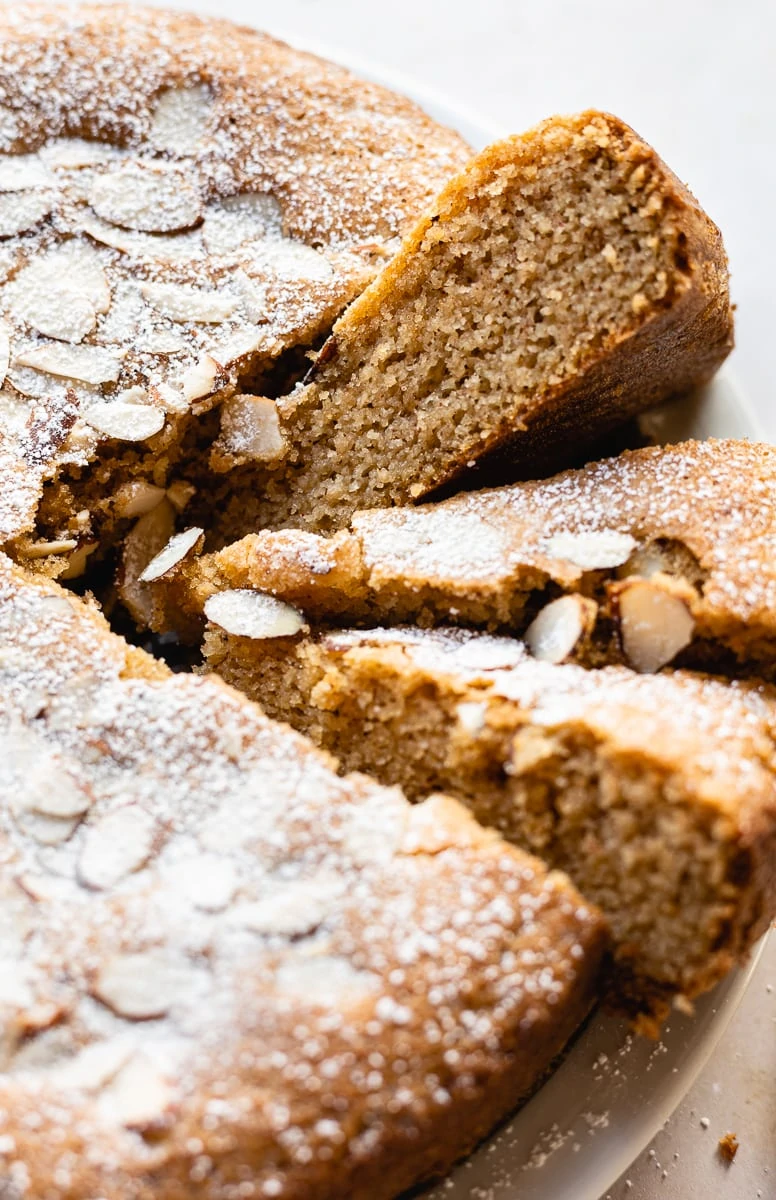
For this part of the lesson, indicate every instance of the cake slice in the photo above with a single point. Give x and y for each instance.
(657, 794)
(223, 962)
(562, 282)
(665, 554)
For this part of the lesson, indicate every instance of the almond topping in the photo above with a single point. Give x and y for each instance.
(180, 119)
(236, 220)
(182, 303)
(654, 625)
(20, 211)
(138, 986)
(202, 378)
(294, 260)
(245, 613)
(139, 1097)
(117, 845)
(89, 364)
(556, 630)
(48, 831)
(125, 421)
(61, 293)
(146, 538)
(137, 497)
(150, 197)
(178, 547)
(5, 352)
(593, 550)
(250, 429)
(21, 171)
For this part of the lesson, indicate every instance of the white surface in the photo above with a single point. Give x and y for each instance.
(695, 77)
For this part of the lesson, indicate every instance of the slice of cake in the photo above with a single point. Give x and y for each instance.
(666, 554)
(225, 963)
(564, 281)
(657, 794)
(185, 208)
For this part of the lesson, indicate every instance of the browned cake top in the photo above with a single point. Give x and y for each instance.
(179, 198)
(216, 951)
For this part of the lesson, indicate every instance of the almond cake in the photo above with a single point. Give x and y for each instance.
(170, 228)
(658, 555)
(656, 793)
(229, 972)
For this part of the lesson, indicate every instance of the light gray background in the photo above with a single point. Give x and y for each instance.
(698, 80)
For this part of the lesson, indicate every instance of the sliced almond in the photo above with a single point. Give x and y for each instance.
(95, 1066)
(179, 547)
(73, 153)
(138, 986)
(146, 538)
(593, 550)
(180, 493)
(207, 881)
(89, 364)
(179, 302)
(238, 220)
(139, 1097)
(180, 119)
(136, 498)
(174, 247)
(245, 613)
(555, 632)
(76, 564)
(169, 398)
(21, 171)
(291, 910)
(60, 293)
(293, 260)
(202, 378)
(151, 197)
(117, 845)
(66, 316)
(124, 421)
(654, 624)
(20, 211)
(250, 429)
(47, 549)
(47, 831)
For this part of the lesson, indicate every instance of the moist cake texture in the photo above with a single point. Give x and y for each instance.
(181, 202)
(668, 551)
(656, 794)
(230, 972)
(564, 281)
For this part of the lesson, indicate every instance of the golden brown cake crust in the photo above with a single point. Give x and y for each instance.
(230, 972)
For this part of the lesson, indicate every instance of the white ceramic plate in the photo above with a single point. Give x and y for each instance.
(611, 1093)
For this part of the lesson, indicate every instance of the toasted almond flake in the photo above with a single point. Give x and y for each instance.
(556, 630)
(592, 550)
(50, 791)
(654, 625)
(233, 222)
(47, 831)
(78, 559)
(46, 549)
(60, 293)
(20, 211)
(138, 986)
(146, 538)
(207, 881)
(169, 398)
(117, 845)
(471, 716)
(161, 342)
(67, 316)
(182, 303)
(137, 497)
(292, 910)
(140, 1096)
(245, 613)
(73, 153)
(21, 171)
(293, 260)
(95, 1066)
(178, 548)
(89, 364)
(151, 197)
(202, 378)
(250, 429)
(180, 492)
(126, 422)
(180, 119)
(174, 247)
